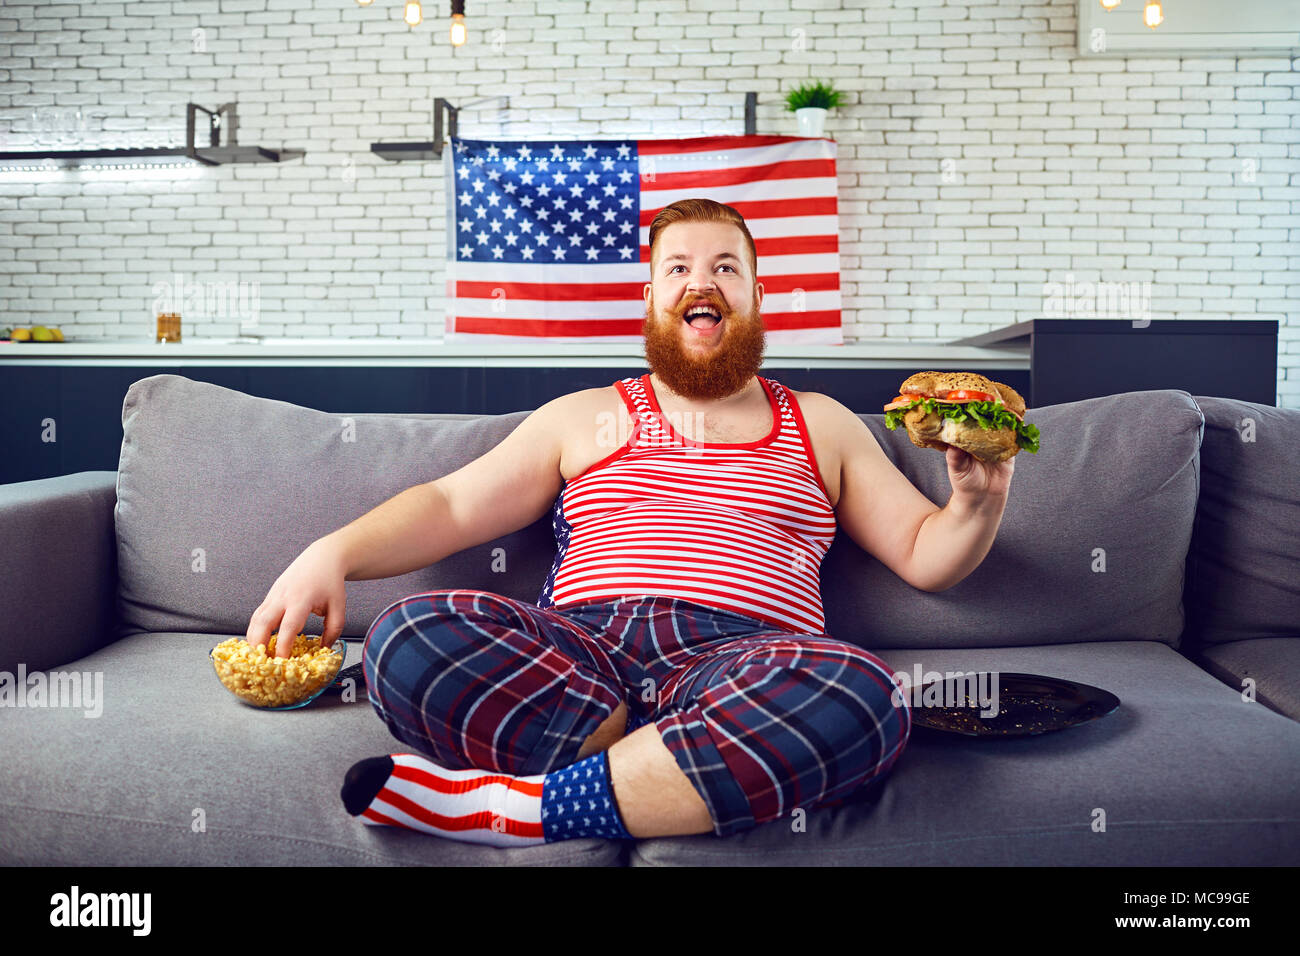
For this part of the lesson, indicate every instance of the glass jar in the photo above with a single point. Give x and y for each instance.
(169, 327)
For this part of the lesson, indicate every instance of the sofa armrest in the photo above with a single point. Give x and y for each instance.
(58, 569)
(1271, 663)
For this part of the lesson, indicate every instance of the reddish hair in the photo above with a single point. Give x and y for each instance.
(700, 210)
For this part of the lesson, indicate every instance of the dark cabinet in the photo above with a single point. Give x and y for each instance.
(1074, 359)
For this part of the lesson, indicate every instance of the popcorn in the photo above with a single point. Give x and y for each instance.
(257, 676)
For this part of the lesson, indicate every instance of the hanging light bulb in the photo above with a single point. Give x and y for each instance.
(458, 23)
(412, 14)
(365, 3)
(1151, 14)
(1105, 4)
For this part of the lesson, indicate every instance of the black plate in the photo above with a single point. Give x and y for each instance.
(1027, 704)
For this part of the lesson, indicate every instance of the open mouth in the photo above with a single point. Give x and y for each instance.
(702, 318)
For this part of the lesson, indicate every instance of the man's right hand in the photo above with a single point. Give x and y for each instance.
(312, 584)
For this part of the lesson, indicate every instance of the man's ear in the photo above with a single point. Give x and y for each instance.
(649, 287)
(758, 297)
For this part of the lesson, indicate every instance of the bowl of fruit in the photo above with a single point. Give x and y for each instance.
(37, 333)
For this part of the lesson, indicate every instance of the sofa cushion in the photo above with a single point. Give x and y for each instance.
(219, 491)
(1091, 546)
(125, 788)
(1186, 772)
(1243, 567)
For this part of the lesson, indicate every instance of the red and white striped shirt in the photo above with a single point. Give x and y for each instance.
(737, 526)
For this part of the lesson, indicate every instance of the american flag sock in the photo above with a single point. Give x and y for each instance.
(483, 806)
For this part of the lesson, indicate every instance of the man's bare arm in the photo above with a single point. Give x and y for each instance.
(955, 540)
(878, 507)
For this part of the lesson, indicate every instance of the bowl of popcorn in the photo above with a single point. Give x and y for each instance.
(259, 678)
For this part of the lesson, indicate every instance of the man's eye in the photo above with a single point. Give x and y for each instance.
(723, 266)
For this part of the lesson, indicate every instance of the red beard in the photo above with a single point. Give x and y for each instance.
(704, 372)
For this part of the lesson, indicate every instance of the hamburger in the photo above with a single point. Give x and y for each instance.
(965, 409)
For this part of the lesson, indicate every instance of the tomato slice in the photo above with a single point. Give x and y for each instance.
(965, 394)
(903, 401)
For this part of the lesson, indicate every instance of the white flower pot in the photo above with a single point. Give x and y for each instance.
(811, 120)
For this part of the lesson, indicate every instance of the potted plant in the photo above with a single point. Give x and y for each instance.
(809, 104)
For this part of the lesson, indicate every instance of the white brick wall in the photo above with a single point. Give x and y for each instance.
(980, 156)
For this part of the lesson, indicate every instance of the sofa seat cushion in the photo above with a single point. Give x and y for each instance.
(1186, 772)
(1273, 663)
(125, 788)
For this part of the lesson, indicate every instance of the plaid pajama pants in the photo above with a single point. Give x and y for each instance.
(760, 720)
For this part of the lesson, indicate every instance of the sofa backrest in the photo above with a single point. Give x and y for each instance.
(1243, 567)
(219, 491)
(1091, 546)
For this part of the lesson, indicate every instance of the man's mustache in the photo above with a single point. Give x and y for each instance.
(696, 302)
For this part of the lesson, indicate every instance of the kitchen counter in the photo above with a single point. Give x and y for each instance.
(78, 386)
(434, 352)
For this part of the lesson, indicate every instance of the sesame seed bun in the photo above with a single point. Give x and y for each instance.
(932, 383)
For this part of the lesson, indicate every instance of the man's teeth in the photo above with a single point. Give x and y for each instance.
(703, 310)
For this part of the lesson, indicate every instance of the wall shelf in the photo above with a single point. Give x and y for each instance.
(191, 154)
(422, 151)
(430, 150)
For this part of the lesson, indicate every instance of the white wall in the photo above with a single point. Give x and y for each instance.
(980, 157)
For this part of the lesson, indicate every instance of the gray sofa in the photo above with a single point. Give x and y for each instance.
(1151, 548)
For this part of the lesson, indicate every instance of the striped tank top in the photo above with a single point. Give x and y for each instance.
(738, 526)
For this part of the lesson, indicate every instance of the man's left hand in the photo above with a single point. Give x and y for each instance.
(976, 480)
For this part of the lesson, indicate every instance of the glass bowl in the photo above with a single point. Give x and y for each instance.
(311, 686)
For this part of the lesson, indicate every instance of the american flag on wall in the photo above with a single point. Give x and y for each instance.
(549, 240)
